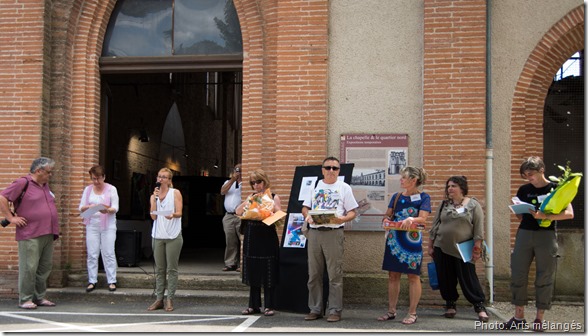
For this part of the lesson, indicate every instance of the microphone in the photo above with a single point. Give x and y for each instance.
(157, 185)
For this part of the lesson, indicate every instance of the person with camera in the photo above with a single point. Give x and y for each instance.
(100, 227)
(37, 227)
(231, 189)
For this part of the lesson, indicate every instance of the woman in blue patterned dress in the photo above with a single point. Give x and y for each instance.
(403, 251)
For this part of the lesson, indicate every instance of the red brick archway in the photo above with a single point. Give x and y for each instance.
(565, 38)
(297, 106)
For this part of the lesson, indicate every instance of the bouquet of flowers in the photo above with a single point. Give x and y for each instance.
(259, 206)
(559, 199)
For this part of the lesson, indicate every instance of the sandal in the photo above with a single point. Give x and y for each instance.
(388, 316)
(112, 287)
(44, 303)
(169, 305)
(482, 314)
(484, 317)
(91, 287)
(268, 312)
(250, 311)
(450, 310)
(410, 319)
(229, 268)
(28, 305)
(158, 304)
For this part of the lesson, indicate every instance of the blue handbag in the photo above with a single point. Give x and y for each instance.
(433, 281)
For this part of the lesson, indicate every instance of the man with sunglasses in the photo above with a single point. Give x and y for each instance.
(325, 241)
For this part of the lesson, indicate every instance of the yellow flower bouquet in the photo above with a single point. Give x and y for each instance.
(559, 199)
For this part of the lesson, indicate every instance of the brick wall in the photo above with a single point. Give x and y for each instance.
(23, 83)
(284, 87)
(50, 98)
(454, 88)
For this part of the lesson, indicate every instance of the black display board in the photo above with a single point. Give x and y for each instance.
(292, 291)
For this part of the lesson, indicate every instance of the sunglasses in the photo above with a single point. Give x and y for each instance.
(255, 182)
(333, 168)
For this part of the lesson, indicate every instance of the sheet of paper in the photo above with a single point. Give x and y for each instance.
(92, 210)
(162, 212)
(274, 218)
(306, 187)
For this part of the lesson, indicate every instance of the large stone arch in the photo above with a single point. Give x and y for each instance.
(561, 41)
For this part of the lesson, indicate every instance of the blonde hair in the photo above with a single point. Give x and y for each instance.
(171, 175)
(415, 172)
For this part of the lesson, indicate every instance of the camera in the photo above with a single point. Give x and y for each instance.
(237, 169)
(4, 222)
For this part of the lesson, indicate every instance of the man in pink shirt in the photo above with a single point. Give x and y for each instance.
(36, 229)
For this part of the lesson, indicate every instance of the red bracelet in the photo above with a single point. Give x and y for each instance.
(477, 249)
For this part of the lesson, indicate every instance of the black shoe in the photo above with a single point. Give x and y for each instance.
(91, 287)
(513, 323)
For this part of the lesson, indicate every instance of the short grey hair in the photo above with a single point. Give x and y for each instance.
(42, 163)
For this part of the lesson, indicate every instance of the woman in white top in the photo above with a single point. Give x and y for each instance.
(167, 238)
(100, 227)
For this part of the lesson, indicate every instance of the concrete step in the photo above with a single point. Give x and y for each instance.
(225, 282)
(186, 296)
(214, 285)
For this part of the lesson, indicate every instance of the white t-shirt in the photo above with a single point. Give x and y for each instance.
(164, 228)
(233, 196)
(338, 196)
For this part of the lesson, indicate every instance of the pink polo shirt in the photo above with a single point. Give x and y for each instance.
(37, 206)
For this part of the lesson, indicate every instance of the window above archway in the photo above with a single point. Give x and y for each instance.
(163, 28)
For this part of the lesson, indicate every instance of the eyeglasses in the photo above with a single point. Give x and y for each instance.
(333, 168)
(162, 177)
(255, 182)
(49, 172)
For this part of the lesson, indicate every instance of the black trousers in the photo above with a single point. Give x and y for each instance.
(450, 270)
(255, 297)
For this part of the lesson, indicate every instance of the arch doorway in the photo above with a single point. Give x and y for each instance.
(171, 88)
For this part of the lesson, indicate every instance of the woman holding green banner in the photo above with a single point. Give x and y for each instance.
(534, 241)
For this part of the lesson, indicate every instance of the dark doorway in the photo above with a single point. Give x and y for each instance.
(189, 122)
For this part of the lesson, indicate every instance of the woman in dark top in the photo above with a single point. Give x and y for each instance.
(260, 250)
(534, 242)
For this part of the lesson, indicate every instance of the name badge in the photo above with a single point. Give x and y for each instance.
(541, 198)
(460, 210)
(414, 198)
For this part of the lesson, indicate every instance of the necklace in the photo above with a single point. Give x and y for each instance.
(456, 205)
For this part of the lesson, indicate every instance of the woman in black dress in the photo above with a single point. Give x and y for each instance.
(260, 247)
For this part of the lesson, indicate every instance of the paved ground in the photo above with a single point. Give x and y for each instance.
(119, 314)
